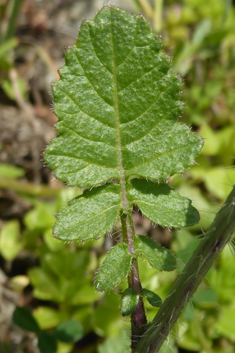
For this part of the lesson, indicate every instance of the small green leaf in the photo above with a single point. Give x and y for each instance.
(106, 318)
(162, 205)
(10, 244)
(6, 46)
(46, 287)
(41, 217)
(90, 215)
(206, 298)
(48, 318)
(114, 268)
(85, 295)
(8, 88)
(225, 322)
(24, 319)
(117, 344)
(151, 297)
(46, 342)
(11, 171)
(69, 331)
(160, 258)
(129, 302)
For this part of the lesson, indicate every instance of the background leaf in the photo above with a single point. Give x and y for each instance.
(47, 342)
(23, 318)
(120, 344)
(11, 171)
(69, 331)
(10, 244)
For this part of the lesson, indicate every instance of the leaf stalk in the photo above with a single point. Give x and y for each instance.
(138, 317)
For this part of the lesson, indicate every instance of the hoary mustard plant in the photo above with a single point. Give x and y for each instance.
(120, 140)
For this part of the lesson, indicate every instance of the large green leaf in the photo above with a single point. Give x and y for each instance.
(117, 105)
(114, 268)
(161, 204)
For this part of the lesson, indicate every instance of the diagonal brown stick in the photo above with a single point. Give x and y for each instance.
(217, 236)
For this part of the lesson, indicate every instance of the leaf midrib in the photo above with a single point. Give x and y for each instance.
(116, 112)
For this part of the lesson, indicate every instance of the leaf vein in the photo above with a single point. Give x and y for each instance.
(92, 117)
(160, 155)
(105, 67)
(89, 218)
(86, 138)
(139, 78)
(75, 102)
(155, 125)
(132, 48)
(150, 106)
(94, 88)
(80, 159)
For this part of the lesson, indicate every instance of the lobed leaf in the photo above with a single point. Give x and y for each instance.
(114, 268)
(161, 204)
(160, 258)
(90, 215)
(117, 105)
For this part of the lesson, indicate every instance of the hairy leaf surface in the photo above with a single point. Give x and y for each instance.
(160, 258)
(90, 215)
(117, 105)
(114, 268)
(129, 302)
(118, 137)
(161, 204)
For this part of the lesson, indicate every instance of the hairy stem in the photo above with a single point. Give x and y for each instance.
(217, 236)
(138, 317)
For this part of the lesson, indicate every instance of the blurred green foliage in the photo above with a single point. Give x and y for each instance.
(9, 14)
(201, 37)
